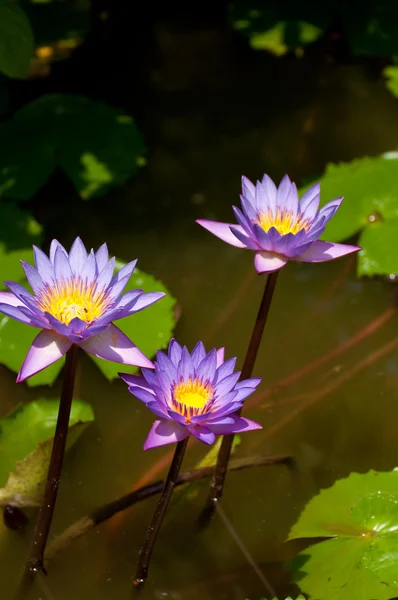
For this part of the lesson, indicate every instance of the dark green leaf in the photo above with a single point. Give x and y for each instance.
(97, 145)
(391, 75)
(360, 516)
(16, 40)
(25, 446)
(150, 329)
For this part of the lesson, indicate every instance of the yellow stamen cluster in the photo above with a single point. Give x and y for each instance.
(191, 397)
(72, 298)
(283, 221)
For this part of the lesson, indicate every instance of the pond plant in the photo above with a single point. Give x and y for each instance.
(77, 296)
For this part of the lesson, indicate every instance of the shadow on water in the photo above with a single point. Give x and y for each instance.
(331, 416)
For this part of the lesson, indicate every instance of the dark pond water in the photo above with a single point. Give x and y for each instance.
(329, 359)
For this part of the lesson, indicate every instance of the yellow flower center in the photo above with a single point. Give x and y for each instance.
(283, 221)
(191, 397)
(72, 298)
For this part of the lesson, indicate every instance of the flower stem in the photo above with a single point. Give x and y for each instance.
(157, 519)
(224, 454)
(43, 523)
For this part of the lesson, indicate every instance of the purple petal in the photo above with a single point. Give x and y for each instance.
(115, 289)
(124, 272)
(198, 354)
(249, 210)
(269, 193)
(35, 281)
(136, 380)
(158, 409)
(142, 394)
(9, 299)
(43, 266)
(150, 377)
(266, 240)
(283, 191)
(128, 299)
(203, 434)
(323, 251)
(185, 369)
(252, 383)
(57, 325)
(243, 221)
(165, 432)
(330, 208)
(89, 269)
(266, 262)
(226, 385)
(222, 231)
(53, 248)
(166, 370)
(292, 202)
(106, 274)
(207, 367)
(15, 313)
(243, 393)
(309, 202)
(47, 347)
(114, 345)
(286, 244)
(225, 369)
(145, 300)
(77, 256)
(220, 357)
(62, 266)
(175, 352)
(248, 190)
(18, 290)
(102, 257)
(238, 425)
(243, 238)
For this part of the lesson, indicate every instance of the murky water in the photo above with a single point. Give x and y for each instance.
(329, 358)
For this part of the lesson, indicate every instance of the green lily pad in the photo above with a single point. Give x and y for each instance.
(149, 329)
(370, 208)
(16, 40)
(276, 39)
(359, 515)
(379, 254)
(26, 437)
(97, 145)
(18, 231)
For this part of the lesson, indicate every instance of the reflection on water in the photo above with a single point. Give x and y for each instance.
(334, 411)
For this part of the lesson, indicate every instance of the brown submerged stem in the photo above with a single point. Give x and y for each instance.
(154, 527)
(46, 512)
(224, 454)
(107, 511)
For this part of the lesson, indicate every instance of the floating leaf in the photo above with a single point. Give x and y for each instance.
(360, 516)
(279, 28)
(25, 447)
(370, 189)
(149, 329)
(18, 231)
(16, 40)
(97, 146)
(391, 75)
(276, 39)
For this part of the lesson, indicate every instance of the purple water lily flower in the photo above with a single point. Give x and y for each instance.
(76, 297)
(279, 227)
(192, 394)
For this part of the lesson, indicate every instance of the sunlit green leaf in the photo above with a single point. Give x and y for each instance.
(379, 255)
(275, 40)
(18, 231)
(97, 146)
(150, 329)
(391, 75)
(25, 447)
(16, 40)
(359, 515)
